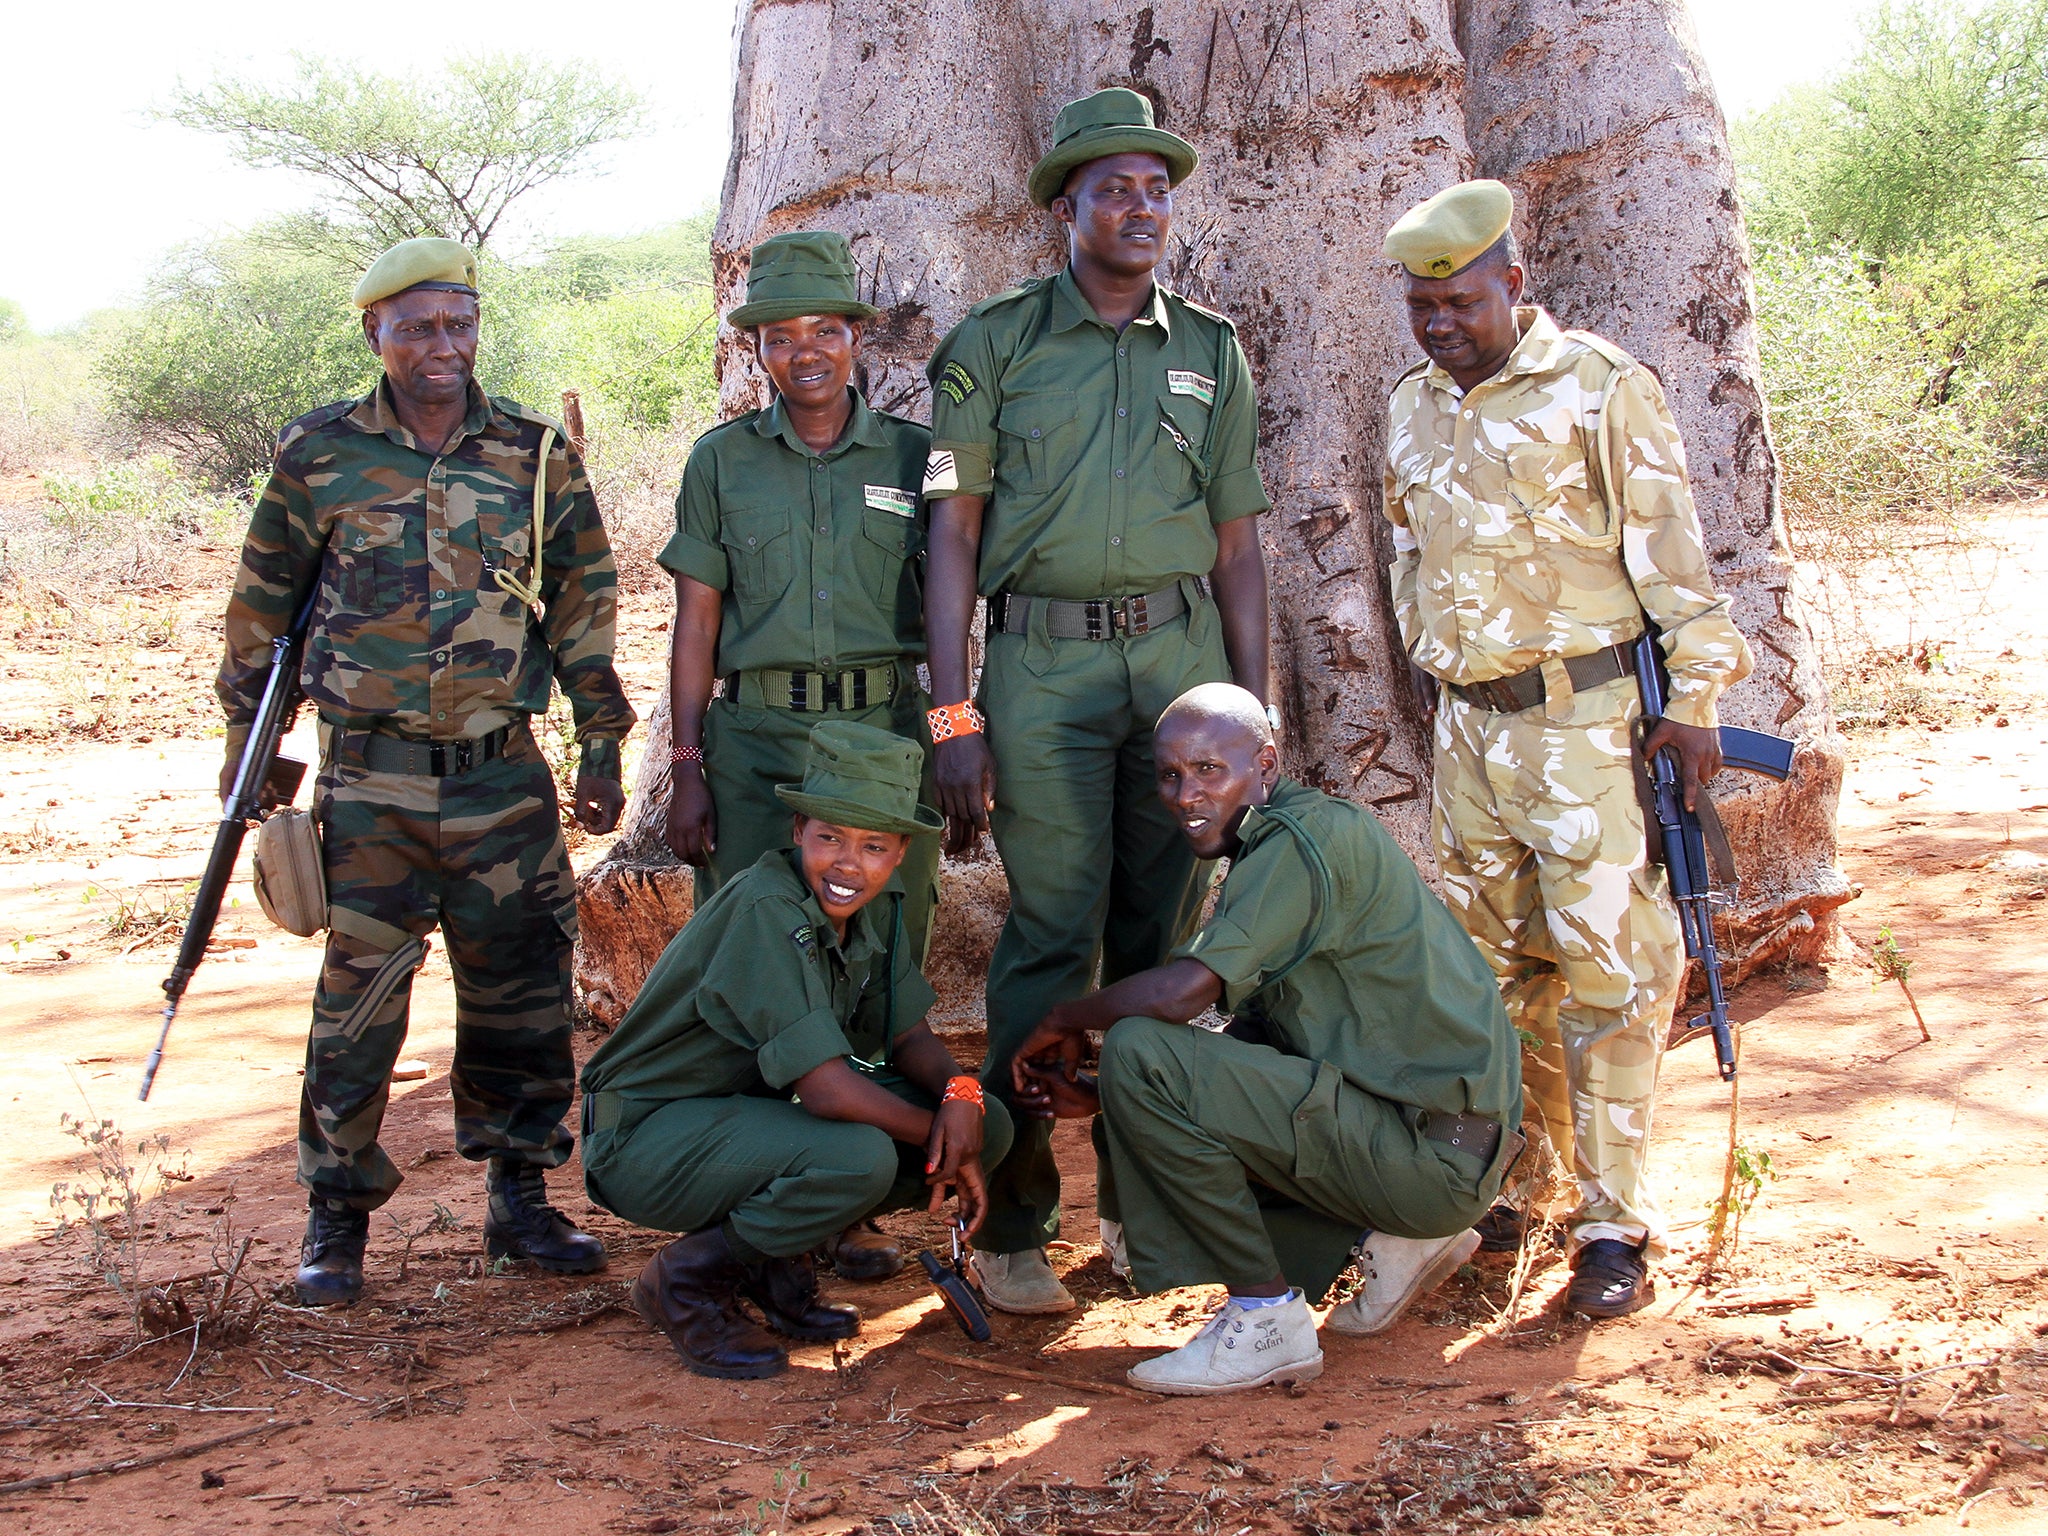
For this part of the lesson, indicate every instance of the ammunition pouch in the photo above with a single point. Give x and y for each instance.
(290, 876)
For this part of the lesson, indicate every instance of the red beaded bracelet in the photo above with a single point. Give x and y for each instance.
(686, 754)
(964, 1089)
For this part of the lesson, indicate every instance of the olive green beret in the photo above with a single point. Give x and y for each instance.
(806, 272)
(1451, 230)
(1111, 122)
(414, 263)
(862, 776)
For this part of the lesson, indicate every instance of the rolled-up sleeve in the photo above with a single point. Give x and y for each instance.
(1235, 488)
(694, 549)
(766, 991)
(963, 373)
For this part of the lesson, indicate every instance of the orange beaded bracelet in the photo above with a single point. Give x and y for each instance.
(950, 720)
(964, 1089)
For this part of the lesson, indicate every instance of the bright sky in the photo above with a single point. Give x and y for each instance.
(98, 190)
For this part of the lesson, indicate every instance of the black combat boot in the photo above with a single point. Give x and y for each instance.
(1610, 1278)
(689, 1292)
(331, 1257)
(863, 1252)
(786, 1291)
(520, 1223)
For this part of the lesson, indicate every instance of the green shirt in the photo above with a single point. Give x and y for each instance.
(817, 554)
(757, 990)
(410, 627)
(1326, 933)
(1107, 459)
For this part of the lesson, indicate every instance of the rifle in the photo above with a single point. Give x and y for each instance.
(263, 782)
(1683, 836)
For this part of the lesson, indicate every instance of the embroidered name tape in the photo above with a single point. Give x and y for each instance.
(1185, 381)
(891, 498)
(800, 936)
(941, 474)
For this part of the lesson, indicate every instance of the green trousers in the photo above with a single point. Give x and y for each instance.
(480, 856)
(1098, 871)
(1228, 1163)
(779, 1179)
(749, 749)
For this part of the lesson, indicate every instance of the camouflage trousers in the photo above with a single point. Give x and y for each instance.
(480, 855)
(1540, 839)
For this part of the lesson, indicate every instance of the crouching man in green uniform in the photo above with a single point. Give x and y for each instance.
(1363, 1087)
(775, 1080)
(796, 556)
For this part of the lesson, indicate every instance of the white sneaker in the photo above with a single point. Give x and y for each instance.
(1019, 1282)
(1397, 1270)
(1238, 1349)
(1113, 1248)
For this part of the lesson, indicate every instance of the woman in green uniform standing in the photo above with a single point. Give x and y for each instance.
(797, 559)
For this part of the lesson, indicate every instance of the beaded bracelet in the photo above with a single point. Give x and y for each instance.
(965, 1090)
(950, 720)
(686, 754)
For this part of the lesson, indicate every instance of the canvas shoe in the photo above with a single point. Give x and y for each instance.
(1238, 1349)
(1113, 1248)
(1397, 1270)
(1019, 1282)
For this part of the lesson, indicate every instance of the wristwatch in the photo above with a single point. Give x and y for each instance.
(1273, 717)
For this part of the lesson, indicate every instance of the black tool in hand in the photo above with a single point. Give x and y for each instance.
(955, 1292)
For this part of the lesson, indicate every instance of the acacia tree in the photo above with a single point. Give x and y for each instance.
(911, 130)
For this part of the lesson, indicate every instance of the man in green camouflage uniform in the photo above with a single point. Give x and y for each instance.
(1094, 443)
(1536, 483)
(442, 610)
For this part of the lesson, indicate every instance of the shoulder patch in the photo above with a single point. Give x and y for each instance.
(803, 938)
(955, 383)
(313, 421)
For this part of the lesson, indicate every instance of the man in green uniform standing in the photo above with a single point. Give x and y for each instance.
(457, 566)
(1368, 1085)
(1093, 476)
(797, 551)
(775, 1080)
(1537, 487)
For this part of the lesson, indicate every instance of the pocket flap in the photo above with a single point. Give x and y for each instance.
(897, 535)
(371, 528)
(750, 531)
(1037, 416)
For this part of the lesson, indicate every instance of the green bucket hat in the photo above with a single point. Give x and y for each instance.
(1111, 122)
(807, 272)
(862, 776)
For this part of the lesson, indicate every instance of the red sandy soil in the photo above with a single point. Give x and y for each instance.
(1874, 1355)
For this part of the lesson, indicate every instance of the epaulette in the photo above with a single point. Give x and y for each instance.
(901, 421)
(1602, 347)
(311, 422)
(1414, 370)
(1201, 309)
(744, 419)
(1010, 295)
(527, 413)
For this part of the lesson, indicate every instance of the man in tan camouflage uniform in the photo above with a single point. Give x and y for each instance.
(446, 597)
(1536, 483)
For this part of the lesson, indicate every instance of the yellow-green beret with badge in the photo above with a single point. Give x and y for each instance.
(1112, 122)
(1448, 232)
(862, 776)
(805, 272)
(428, 262)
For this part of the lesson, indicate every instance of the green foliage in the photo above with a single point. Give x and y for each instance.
(49, 399)
(236, 337)
(13, 323)
(396, 157)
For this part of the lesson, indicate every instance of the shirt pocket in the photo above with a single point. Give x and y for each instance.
(757, 551)
(1549, 489)
(1182, 434)
(886, 561)
(368, 561)
(1038, 443)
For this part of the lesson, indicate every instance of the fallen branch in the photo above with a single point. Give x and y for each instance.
(1756, 1299)
(137, 1463)
(1041, 1378)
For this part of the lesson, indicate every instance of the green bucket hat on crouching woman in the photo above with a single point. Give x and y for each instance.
(1111, 122)
(862, 776)
(807, 272)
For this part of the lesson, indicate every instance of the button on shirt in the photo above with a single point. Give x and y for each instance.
(817, 554)
(1324, 931)
(411, 629)
(1107, 458)
(757, 990)
(1544, 512)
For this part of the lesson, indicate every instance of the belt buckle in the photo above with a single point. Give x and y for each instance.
(1092, 615)
(1132, 612)
(830, 694)
(800, 692)
(860, 688)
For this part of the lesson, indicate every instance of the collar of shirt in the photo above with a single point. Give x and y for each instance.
(862, 429)
(1537, 352)
(1257, 826)
(378, 413)
(1070, 307)
(862, 941)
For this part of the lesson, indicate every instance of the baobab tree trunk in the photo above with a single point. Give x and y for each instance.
(911, 129)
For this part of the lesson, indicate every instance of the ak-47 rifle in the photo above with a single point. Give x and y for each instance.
(263, 782)
(1679, 841)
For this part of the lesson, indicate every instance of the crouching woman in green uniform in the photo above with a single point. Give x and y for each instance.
(775, 1081)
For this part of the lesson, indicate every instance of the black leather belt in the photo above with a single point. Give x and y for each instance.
(1511, 695)
(813, 692)
(1473, 1134)
(1095, 618)
(383, 752)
